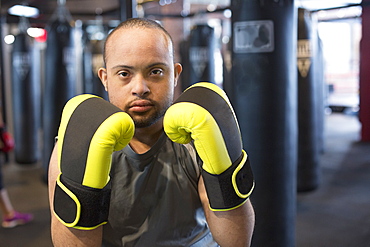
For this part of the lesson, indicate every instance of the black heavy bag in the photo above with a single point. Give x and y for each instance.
(60, 77)
(93, 60)
(265, 98)
(25, 99)
(308, 102)
(87, 60)
(199, 56)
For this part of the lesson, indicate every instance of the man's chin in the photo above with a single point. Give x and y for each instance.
(140, 125)
(146, 120)
(144, 123)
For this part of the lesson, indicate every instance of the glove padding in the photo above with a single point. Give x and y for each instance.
(204, 114)
(91, 129)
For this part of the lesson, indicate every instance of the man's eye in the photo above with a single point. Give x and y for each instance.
(123, 74)
(157, 72)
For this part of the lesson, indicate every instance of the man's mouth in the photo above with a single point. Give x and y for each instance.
(140, 106)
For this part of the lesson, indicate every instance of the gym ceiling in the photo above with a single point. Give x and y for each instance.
(111, 9)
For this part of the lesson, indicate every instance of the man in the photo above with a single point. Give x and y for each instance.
(158, 197)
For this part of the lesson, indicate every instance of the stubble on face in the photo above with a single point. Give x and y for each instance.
(159, 106)
(143, 120)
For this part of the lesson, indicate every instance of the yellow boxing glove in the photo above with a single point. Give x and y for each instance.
(204, 114)
(91, 129)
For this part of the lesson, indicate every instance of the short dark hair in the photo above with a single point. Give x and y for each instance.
(140, 23)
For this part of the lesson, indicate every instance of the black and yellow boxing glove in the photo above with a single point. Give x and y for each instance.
(91, 129)
(204, 114)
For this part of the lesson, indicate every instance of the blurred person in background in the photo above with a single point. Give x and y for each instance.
(11, 218)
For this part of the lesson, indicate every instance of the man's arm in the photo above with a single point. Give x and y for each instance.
(61, 235)
(203, 113)
(232, 228)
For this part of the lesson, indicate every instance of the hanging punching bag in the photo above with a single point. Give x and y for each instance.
(87, 60)
(25, 97)
(265, 99)
(93, 60)
(60, 77)
(93, 57)
(308, 101)
(199, 54)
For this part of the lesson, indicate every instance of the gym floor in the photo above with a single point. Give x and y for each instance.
(336, 214)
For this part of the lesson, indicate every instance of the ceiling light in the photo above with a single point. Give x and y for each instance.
(35, 32)
(9, 39)
(26, 11)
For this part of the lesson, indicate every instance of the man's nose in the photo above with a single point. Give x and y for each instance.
(140, 86)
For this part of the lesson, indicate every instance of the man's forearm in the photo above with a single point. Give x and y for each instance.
(63, 236)
(234, 227)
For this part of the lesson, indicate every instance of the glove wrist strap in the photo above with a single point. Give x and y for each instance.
(79, 207)
(231, 188)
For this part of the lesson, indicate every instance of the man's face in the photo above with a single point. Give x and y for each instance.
(140, 75)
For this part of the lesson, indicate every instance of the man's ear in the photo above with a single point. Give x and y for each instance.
(177, 71)
(102, 73)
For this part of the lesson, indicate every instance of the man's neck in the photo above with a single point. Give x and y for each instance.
(145, 138)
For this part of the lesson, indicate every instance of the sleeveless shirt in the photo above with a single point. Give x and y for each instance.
(155, 200)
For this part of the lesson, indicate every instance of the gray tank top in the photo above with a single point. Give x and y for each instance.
(154, 200)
